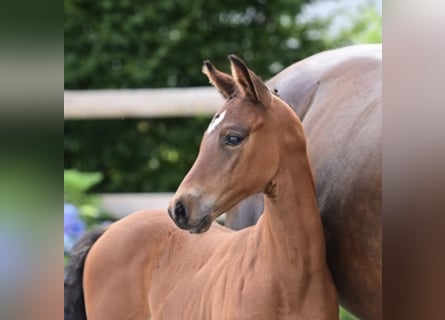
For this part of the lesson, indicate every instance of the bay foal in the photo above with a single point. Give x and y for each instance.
(337, 95)
(143, 266)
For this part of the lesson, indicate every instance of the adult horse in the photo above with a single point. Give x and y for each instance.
(144, 266)
(337, 94)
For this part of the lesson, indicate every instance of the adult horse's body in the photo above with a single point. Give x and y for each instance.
(143, 265)
(337, 94)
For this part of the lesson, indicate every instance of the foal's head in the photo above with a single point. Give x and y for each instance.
(240, 152)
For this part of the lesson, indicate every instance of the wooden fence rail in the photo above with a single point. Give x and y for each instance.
(121, 204)
(140, 103)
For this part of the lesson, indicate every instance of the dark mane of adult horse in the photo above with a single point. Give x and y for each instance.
(337, 94)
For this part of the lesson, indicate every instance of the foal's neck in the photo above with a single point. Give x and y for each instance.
(291, 222)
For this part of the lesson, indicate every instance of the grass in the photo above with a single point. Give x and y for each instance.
(345, 315)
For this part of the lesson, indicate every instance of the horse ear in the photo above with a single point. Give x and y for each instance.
(222, 81)
(248, 81)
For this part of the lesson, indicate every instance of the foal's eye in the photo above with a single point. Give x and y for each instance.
(233, 140)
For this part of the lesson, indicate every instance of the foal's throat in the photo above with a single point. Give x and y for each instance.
(292, 189)
(291, 217)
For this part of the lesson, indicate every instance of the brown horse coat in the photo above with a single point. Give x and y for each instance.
(145, 266)
(337, 94)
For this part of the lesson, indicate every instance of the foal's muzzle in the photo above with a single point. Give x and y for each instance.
(181, 217)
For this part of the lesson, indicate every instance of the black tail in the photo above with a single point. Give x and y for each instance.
(74, 301)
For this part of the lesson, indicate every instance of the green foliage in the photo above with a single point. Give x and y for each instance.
(366, 27)
(134, 44)
(345, 315)
(135, 155)
(128, 43)
(77, 183)
(76, 187)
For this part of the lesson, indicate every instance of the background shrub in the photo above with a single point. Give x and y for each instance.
(135, 44)
(140, 44)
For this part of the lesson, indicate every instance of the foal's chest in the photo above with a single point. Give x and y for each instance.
(227, 294)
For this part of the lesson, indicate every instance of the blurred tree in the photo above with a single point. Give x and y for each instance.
(129, 44)
(346, 26)
(134, 155)
(366, 28)
(139, 44)
(133, 44)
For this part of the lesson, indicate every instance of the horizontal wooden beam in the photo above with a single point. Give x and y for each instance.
(120, 205)
(141, 103)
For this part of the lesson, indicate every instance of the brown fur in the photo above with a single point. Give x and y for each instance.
(337, 94)
(145, 266)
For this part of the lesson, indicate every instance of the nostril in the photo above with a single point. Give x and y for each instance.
(180, 212)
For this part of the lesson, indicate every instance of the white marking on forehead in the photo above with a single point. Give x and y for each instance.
(216, 121)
